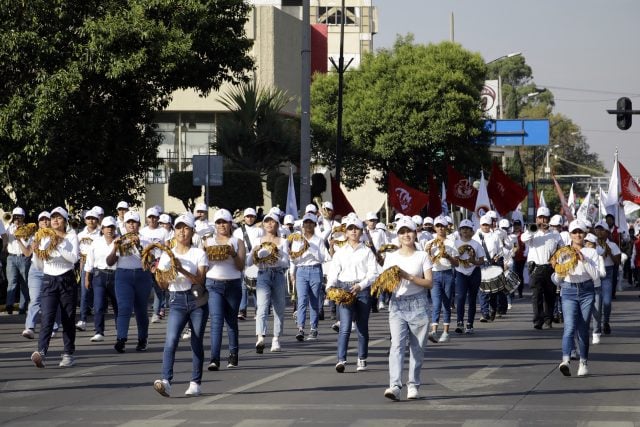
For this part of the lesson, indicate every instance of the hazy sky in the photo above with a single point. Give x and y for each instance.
(586, 52)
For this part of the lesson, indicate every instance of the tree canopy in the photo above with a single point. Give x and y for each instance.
(81, 81)
(409, 109)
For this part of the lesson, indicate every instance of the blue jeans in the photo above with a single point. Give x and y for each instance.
(359, 312)
(607, 292)
(17, 278)
(183, 310)
(441, 296)
(308, 284)
(33, 313)
(408, 320)
(104, 290)
(133, 287)
(224, 303)
(271, 287)
(159, 297)
(577, 303)
(58, 293)
(467, 286)
(244, 299)
(86, 299)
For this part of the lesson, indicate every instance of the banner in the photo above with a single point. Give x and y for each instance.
(443, 195)
(435, 204)
(292, 205)
(629, 187)
(566, 209)
(405, 199)
(483, 204)
(341, 205)
(489, 99)
(505, 194)
(460, 191)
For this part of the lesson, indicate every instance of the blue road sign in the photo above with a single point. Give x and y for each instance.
(518, 132)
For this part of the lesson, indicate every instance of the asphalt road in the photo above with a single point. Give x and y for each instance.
(503, 375)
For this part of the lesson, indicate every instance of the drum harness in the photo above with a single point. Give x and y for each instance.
(488, 259)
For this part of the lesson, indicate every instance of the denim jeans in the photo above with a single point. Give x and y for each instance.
(271, 287)
(159, 297)
(577, 304)
(104, 290)
(58, 292)
(441, 296)
(133, 287)
(183, 311)
(17, 279)
(467, 287)
(86, 299)
(33, 313)
(224, 304)
(596, 313)
(244, 299)
(359, 312)
(408, 320)
(607, 287)
(308, 285)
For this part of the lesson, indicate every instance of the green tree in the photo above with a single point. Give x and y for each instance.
(83, 79)
(410, 109)
(181, 187)
(227, 196)
(255, 135)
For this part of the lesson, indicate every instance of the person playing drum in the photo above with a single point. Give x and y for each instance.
(470, 258)
(492, 300)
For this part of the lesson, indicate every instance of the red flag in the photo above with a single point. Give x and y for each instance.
(565, 206)
(505, 193)
(435, 204)
(629, 187)
(403, 198)
(460, 191)
(341, 205)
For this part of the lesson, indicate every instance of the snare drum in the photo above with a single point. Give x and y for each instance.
(251, 279)
(492, 279)
(511, 281)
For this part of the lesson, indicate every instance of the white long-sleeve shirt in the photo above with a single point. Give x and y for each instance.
(316, 254)
(64, 257)
(587, 269)
(351, 264)
(541, 245)
(97, 256)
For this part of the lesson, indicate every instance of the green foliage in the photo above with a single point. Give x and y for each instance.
(318, 185)
(81, 81)
(181, 187)
(410, 109)
(255, 135)
(240, 190)
(272, 176)
(282, 187)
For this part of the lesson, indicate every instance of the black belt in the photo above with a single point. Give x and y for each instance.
(105, 271)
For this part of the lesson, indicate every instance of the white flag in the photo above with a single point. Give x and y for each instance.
(571, 201)
(292, 205)
(603, 210)
(541, 201)
(483, 205)
(583, 211)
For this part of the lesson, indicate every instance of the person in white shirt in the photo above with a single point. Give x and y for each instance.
(100, 276)
(491, 242)
(305, 272)
(270, 254)
(203, 227)
(353, 268)
(224, 284)
(611, 255)
(86, 238)
(376, 237)
(59, 289)
(187, 306)
(541, 244)
(578, 294)
(133, 284)
(17, 266)
(153, 233)
(555, 225)
(408, 311)
(248, 232)
(122, 208)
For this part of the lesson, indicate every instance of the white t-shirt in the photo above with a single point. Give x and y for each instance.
(226, 269)
(97, 255)
(416, 264)
(191, 261)
(467, 270)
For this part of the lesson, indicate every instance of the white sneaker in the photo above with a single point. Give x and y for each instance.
(392, 393)
(155, 318)
(97, 338)
(353, 326)
(595, 339)
(28, 333)
(67, 361)
(275, 345)
(583, 370)
(509, 306)
(81, 325)
(163, 387)
(193, 390)
(574, 355)
(412, 392)
(362, 365)
(564, 368)
(444, 337)
(186, 334)
(381, 305)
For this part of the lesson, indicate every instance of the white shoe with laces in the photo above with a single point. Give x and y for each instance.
(275, 345)
(412, 392)
(97, 338)
(362, 365)
(81, 325)
(186, 334)
(163, 387)
(392, 393)
(595, 339)
(444, 337)
(583, 370)
(193, 390)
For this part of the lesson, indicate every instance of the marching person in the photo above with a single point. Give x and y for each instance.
(17, 266)
(100, 276)
(153, 233)
(376, 237)
(541, 244)
(224, 283)
(187, 306)
(248, 232)
(467, 277)
(122, 208)
(442, 254)
(59, 289)
(493, 248)
(519, 256)
(353, 268)
(611, 255)
(132, 283)
(578, 294)
(86, 238)
(305, 273)
(408, 311)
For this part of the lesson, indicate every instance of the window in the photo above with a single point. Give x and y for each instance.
(333, 15)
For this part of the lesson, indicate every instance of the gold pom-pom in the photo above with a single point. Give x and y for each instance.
(297, 237)
(128, 242)
(387, 281)
(565, 258)
(438, 245)
(218, 252)
(466, 249)
(340, 296)
(148, 259)
(25, 231)
(272, 257)
(41, 234)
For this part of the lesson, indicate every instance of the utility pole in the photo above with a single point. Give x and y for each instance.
(305, 107)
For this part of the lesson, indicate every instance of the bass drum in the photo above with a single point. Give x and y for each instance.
(511, 281)
(492, 279)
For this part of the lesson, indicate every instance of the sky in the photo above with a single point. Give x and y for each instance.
(586, 52)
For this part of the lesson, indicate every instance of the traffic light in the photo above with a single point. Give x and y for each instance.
(623, 113)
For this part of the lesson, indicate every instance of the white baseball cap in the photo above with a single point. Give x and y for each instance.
(271, 216)
(153, 212)
(18, 211)
(327, 205)
(602, 223)
(201, 207)
(486, 220)
(122, 205)
(288, 219)
(44, 214)
(504, 223)
(184, 219)
(543, 211)
(222, 214)
(354, 221)
(466, 223)
(555, 220)
(311, 208)
(576, 224)
(398, 217)
(108, 221)
(406, 222)
(308, 217)
(60, 211)
(417, 219)
(590, 237)
(250, 212)
(381, 226)
(132, 216)
(98, 210)
(91, 214)
(371, 216)
(164, 219)
(428, 220)
(275, 211)
(493, 214)
(440, 220)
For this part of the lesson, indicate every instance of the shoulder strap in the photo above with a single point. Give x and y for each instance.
(246, 237)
